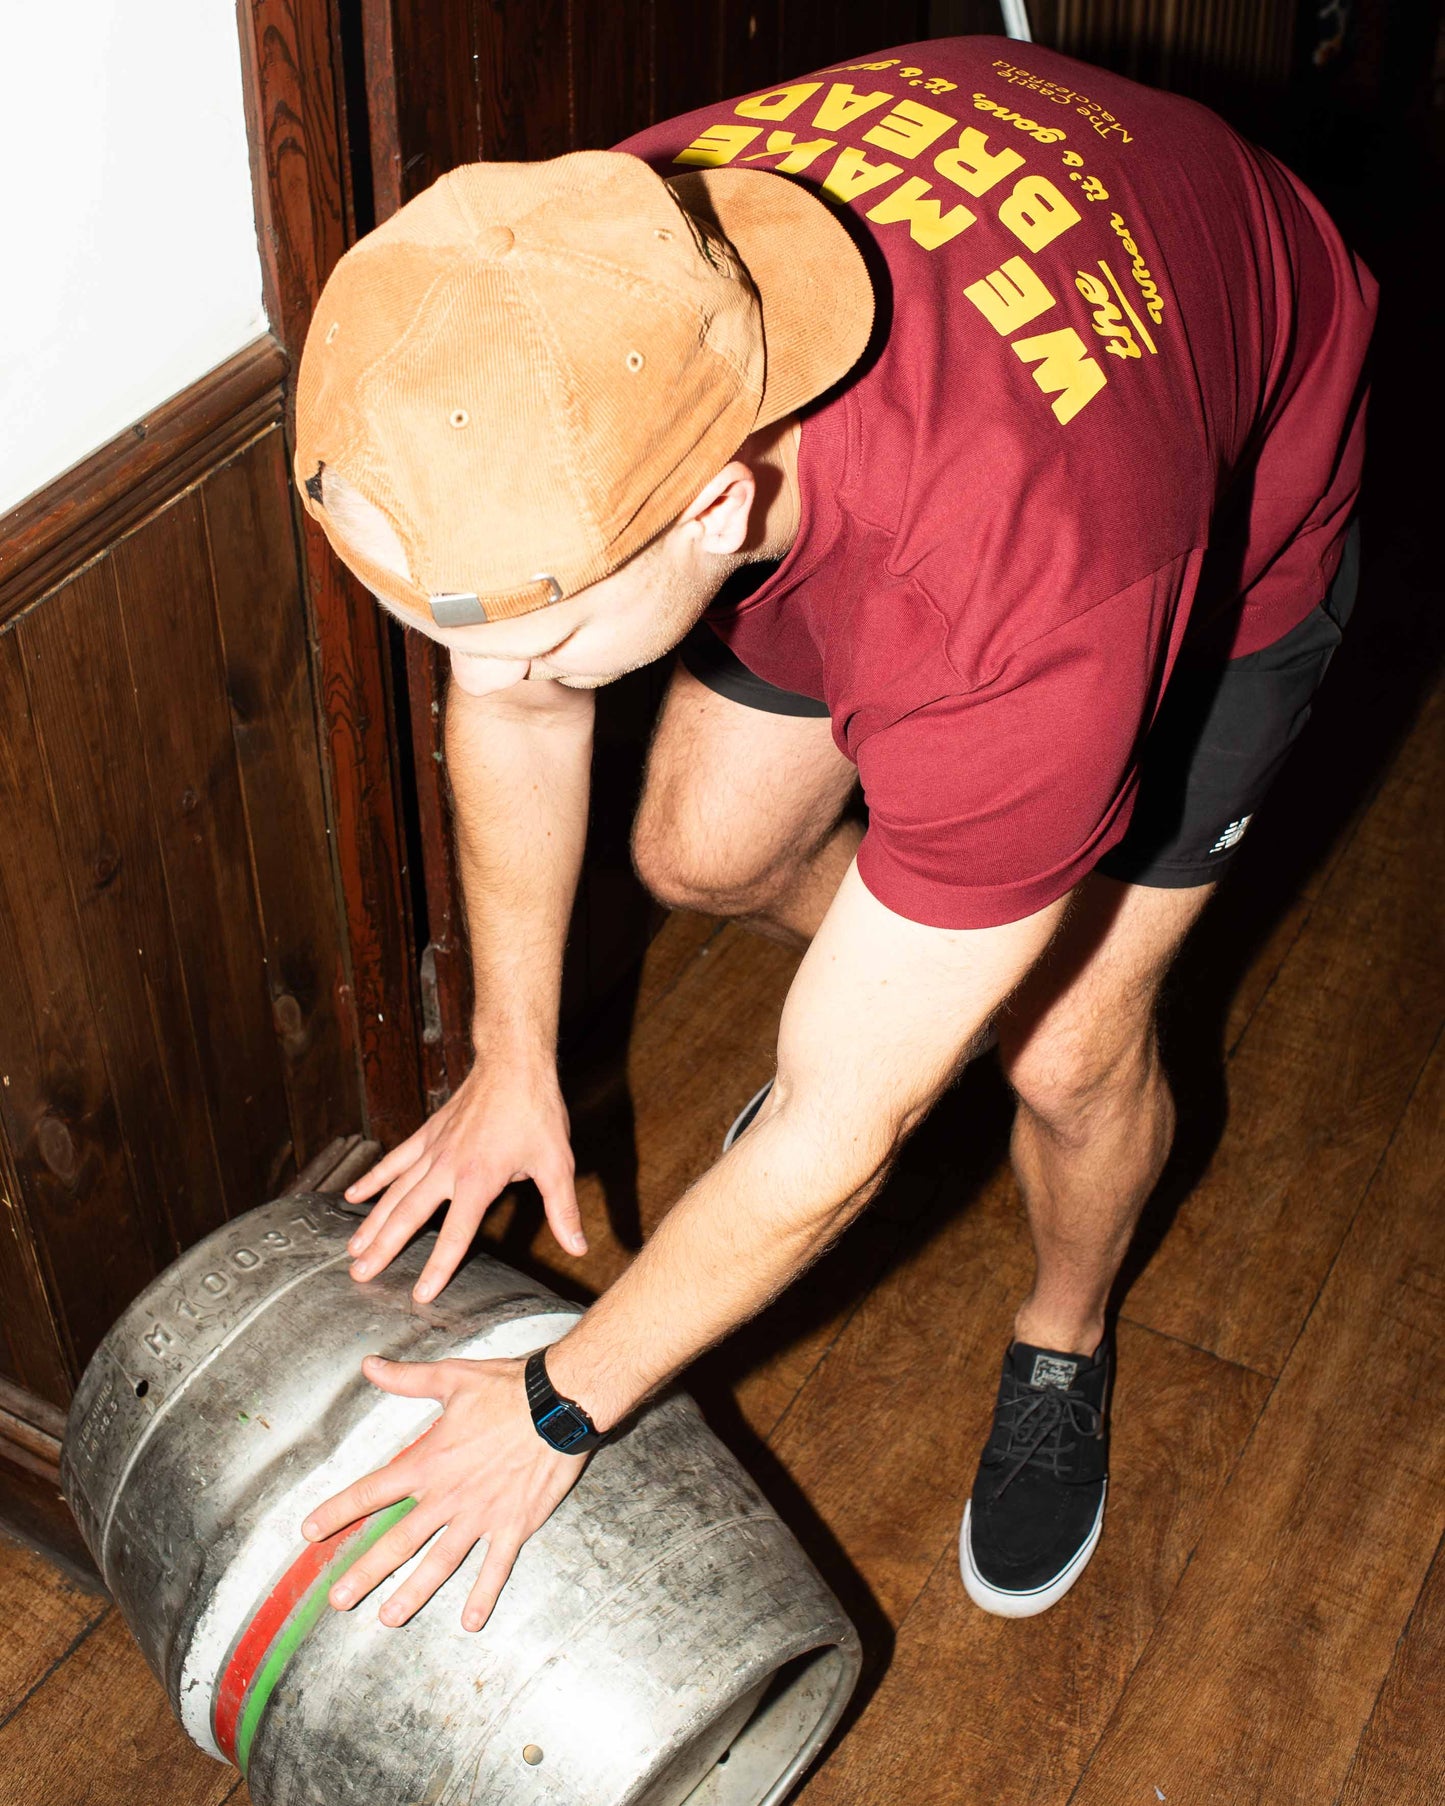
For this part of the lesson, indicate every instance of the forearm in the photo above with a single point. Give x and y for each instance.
(878, 1020)
(519, 769)
(737, 1238)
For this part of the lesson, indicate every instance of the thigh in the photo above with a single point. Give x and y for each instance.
(1091, 998)
(738, 789)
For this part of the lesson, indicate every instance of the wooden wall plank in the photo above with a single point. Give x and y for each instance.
(1269, 1659)
(247, 508)
(103, 1240)
(168, 615)
(292, 84)
(1317, 1083)
(686, 57)
(523, 74)
(611, 56)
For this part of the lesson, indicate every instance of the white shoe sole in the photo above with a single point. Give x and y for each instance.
(1038, 1599)
(743, 1119)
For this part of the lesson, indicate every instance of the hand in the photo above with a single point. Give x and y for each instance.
(499, 1125)
(481, 1470)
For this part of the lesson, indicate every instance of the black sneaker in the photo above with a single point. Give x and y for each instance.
(745, 1116)
(1038, 1502)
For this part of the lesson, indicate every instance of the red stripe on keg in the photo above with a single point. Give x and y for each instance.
(270, 1617)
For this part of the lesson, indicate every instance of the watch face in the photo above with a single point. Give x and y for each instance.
(562, 1426)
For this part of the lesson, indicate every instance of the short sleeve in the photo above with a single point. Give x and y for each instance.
(984, 807)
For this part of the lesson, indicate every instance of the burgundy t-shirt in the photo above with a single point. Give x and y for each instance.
(1112, 336)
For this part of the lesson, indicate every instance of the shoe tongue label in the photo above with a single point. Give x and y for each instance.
(1053, 1370)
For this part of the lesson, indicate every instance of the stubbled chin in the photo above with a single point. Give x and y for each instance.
(480, 676)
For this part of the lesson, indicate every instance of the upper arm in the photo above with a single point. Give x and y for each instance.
(880, 1016)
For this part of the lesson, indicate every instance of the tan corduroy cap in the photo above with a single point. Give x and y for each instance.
(533, 368)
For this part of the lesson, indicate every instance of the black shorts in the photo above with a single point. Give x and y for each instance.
(1218, 742)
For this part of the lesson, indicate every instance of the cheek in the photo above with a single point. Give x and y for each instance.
(480, 676)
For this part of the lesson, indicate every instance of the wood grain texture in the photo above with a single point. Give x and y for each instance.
(1026, 1701)
(1402, 1753)
(104, 1700)
(175, 664)
(523, 74)
(124, 1169)
(267, 677)
(1317, 1082)
(56, 1613)
(292, 84)
(1269, 1659)
(55, 530)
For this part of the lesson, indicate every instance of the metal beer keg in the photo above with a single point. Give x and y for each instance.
(663, 1638)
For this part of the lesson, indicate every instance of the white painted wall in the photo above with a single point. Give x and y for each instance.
(129, 264)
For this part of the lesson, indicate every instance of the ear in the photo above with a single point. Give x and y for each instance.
(722, 510)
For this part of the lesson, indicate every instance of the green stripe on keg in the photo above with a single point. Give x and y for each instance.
(299, 1624)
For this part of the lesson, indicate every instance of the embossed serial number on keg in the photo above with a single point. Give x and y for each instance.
(219, 1283)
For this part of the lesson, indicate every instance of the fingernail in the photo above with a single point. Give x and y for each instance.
(424, 1294)
(473, 1621)
(579, 1245)
(311, 1528)
(362, 1270)
(390, 1618)
(342, 1595)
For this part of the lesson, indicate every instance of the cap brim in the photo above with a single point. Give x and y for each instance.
(817, 300)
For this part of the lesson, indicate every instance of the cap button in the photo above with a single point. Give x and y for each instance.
(495, 241)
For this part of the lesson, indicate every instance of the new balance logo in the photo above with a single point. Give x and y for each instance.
(1232, 835)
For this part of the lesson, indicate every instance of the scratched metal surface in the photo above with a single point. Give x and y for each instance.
(663, 1619)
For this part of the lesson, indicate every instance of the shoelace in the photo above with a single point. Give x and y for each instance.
(1036, 1431)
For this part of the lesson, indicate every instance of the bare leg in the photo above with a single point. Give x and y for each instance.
(1095, 1116)
(740, 813)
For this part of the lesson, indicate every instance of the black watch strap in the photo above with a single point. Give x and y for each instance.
(558, 1420)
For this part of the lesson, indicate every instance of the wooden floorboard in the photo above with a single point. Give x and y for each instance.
(1271, 1654)
(99, 1732)
(1402, 1753)
(1317, 1082)
(46, 1614)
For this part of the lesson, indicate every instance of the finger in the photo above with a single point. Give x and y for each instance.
(469, 1206)
(371, 1493)
(406, 1217)
(559, 1197)
(386, 1169)
(441, 1561)
(381, 1212)
(500, 1559)
(409, 1379)
(385, 1556)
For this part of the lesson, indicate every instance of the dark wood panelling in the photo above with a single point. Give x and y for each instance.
(611, 55)
(56, 529)
(292, 82)
(523, 74)
(75, 914)
(247, 507)
(89, 737)
(163, 582)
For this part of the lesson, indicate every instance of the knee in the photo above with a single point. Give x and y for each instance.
(1069, 1082)
(687, 869)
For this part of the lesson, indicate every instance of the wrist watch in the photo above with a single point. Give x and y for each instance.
(558, 1420)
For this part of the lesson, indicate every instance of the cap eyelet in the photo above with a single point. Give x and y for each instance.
(634, 361)
(459, 417)
(332, 330)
